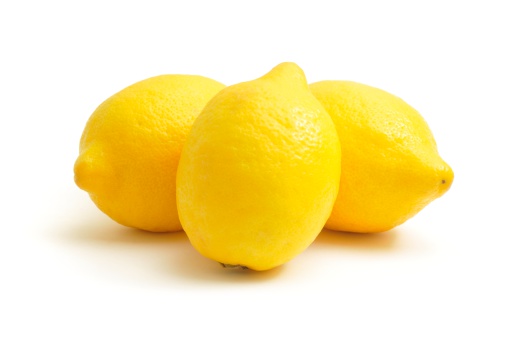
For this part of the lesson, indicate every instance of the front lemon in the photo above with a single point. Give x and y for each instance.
(259, 172)
(130, 148)
(391, 168)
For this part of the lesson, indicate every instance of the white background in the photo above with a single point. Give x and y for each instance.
(69, 271)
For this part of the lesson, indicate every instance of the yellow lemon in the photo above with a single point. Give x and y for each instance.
(130, 148)
(259, 172)
(390, 165)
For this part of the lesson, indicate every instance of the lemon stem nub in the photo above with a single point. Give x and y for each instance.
(234, 266)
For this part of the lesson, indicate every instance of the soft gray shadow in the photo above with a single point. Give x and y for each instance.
(99, 229)
(173, 253)
(366, 242)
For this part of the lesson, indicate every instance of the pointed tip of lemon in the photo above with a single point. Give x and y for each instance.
(89, 172)
(446, 175)
(287, 71)
(83, 173)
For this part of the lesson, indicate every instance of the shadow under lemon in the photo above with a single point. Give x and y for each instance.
(174, 256)
(99, 229)
(171, 251)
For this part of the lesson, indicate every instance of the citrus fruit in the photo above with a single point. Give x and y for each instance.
(259, 172)
(391, 168)
(130, 147)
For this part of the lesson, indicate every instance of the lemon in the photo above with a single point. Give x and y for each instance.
(391, 168)
(130, 148)
(259, 173)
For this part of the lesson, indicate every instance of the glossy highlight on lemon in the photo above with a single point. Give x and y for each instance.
(259, 172)
(391, 168)
(130, 148)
